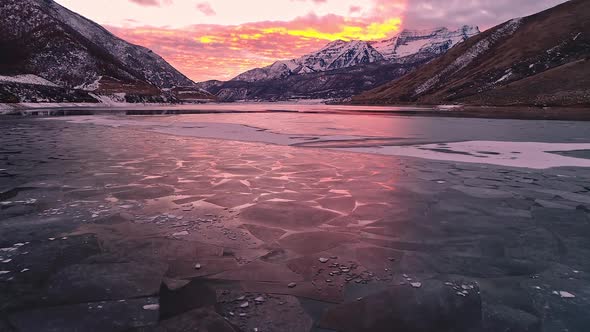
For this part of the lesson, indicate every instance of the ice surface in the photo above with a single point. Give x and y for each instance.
(513, 154)
(470, 141)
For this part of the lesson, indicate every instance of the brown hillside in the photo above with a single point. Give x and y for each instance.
(535, 60)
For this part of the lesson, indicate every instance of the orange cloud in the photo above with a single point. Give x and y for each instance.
(204, 52)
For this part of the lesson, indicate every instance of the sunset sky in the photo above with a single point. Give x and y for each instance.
(218, 39)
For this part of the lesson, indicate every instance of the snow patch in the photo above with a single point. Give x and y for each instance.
(386, 47)
(90, 86)
(7, 108)
(27, 79)
(505, 77)
(576, 36)
(512, 154)
(115, 99)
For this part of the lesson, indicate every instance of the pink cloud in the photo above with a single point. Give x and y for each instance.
(354, 9)
(156, 3)
(314, 1)
(204, 52)
(222, 59)
(146, 2)
(216, 51)
(205, 8)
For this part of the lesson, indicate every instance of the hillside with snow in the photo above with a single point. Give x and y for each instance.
(540, 60)
(68, 52)
(336, 55)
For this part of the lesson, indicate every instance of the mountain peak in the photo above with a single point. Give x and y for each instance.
(335, 55)
(412, 42)
(343, 54)
(422, 32)
(335, 43)
(71, 50)
(41, 38)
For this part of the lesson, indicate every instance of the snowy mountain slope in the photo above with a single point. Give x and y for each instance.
(42, 38)
(37, 90)
(536, 60)
(335, 55)
(26, 79)
(341, 69)
(339, 54)
(338, 83)
(411, 42)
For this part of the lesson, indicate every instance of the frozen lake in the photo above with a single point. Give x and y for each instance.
(331, 221)
(517, 143)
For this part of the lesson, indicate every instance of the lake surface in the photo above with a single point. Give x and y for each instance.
(294, 222)
(519, 143)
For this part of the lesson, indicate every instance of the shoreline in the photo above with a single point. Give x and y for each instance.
(580, 113)
(509, 112)
(556, 113)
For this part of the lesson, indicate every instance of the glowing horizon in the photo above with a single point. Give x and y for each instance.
(220, 39)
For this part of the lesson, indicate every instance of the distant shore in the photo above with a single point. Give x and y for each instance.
(579, 113)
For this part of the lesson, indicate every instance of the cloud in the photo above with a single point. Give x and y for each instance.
(219, 60)
(206, 9)
(485, 13)
(155, 3)
(215, 51)
(354, 9)
(205, 52)
(146, 2)
(314, 1)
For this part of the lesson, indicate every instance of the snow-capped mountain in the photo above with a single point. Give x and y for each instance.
(539, 60)
(42, 38)
(333, 84)
(406, 46)
(412, 42)
(335, 55)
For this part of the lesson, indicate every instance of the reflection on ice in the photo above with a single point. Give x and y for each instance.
(496, 142)
(205, 222)
(228, 131)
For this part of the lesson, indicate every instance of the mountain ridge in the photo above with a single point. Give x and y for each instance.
(341, 69)
(505, 65)
(343, 54)
(45, 39)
